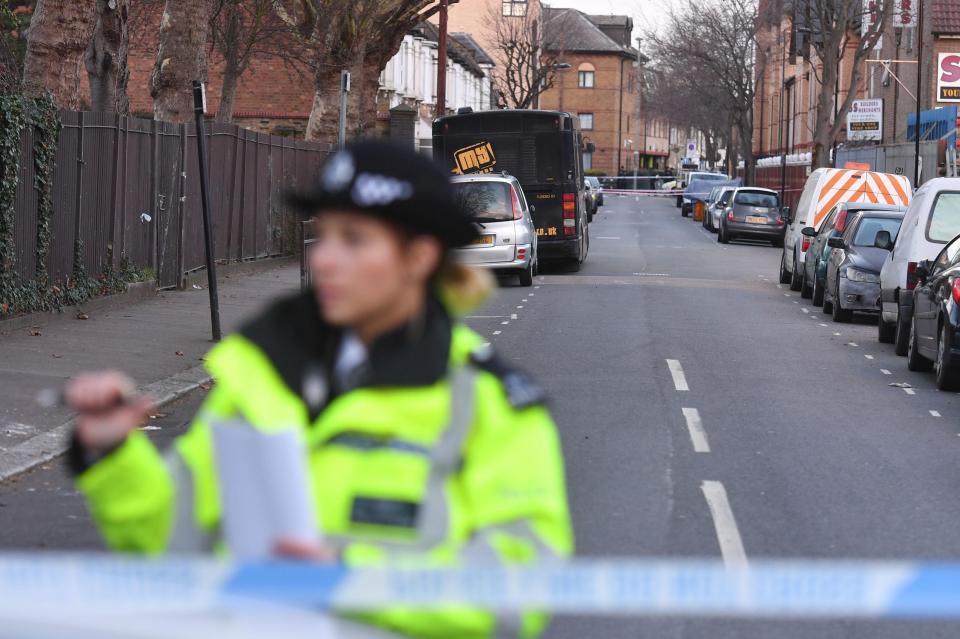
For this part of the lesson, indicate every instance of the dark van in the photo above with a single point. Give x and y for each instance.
(543, 150)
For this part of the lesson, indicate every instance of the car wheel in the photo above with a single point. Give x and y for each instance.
(839, 314)
(795, 280)
(806, 291)
(526, 275)
(777, 243)
(948, 376)
(901, 340)
(886, 332)
(723, 237)
(915, 361)
(784, 273)
(817, 297)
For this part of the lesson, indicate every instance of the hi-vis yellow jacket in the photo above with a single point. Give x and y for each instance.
(436, 451)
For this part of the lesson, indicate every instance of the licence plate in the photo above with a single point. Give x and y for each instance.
(752, 219)
(483, 240)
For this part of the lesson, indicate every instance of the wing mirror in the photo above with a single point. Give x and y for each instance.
(787, 214)
(533, 209)
(883, 241)
(923, 270)
(836, 242)
(809, 231)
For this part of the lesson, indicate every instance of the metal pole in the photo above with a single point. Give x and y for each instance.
(199, 106)
(916, 128)
(344, 105)
(783, 151)
(442, 61)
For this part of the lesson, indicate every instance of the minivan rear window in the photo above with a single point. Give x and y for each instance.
(944, 223)
(484, 201)
(756, 198)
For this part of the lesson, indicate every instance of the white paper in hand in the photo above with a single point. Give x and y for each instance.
(264, 489)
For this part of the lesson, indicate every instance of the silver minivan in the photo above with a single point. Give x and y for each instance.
(507, 240)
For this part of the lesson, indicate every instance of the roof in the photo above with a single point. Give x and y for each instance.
(946, 17)
(478, 52)
(456, 50)
(571, 30)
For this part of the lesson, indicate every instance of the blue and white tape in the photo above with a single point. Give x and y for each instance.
(38, 584)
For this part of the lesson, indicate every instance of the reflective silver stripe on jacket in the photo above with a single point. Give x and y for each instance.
(186, 535)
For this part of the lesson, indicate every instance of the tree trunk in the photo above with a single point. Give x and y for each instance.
(323, 123)
(121, 97)
(231, 67)
(181, 59)
(60, 32)
(102, 59)
(228, 94)
(822, 131)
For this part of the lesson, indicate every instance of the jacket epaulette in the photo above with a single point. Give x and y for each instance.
(522, 391)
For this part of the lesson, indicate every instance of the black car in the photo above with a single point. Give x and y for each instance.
(852, 279)
(935, 330)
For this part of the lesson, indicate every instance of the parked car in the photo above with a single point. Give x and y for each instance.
(590, 197)
(815, 264)
(824, 189)
(853, 269)
(753, 213)
(713, 212)
(695, 188)
(508, 236)
(597, 188)
(931, 220)
(708, 202)
(935, 328)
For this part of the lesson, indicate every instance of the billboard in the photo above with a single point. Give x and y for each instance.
(948, 77)
(865, 120)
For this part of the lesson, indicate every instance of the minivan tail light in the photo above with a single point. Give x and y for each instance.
(911, 275)
(730, 216)
(956, 291)
(517, 209)
(806, 244)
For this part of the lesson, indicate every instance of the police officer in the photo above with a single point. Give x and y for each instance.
(421, 442)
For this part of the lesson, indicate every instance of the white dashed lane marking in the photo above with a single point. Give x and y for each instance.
(731, 545)
(909, 391)
(505, 323)
(514, 316)
(804, 310)
(934, 413)
(869, 356)
(885, 371)
(697, 434)
(679, 379)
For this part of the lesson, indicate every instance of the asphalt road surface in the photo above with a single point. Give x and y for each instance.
(705, 411)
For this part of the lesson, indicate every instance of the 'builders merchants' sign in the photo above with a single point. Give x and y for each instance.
(865, 120)
(948, 77)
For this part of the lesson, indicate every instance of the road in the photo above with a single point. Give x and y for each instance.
(705, 411)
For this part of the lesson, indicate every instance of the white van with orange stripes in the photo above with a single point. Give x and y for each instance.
(825, 188)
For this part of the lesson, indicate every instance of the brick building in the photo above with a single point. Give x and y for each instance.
(790, 128)
(601, 85)
(275, 97)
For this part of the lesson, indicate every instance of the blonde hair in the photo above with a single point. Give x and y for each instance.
(463, 288)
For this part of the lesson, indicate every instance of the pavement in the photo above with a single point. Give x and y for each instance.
(705, 411)
(159, 342)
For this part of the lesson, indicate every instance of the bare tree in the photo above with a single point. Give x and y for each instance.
(358, 35)
(106, 57)
(57, 41)
(529, 52)
(713, 44)
(833, 30)
(181, 58)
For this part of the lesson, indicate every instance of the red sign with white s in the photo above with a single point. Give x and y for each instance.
(948, 77)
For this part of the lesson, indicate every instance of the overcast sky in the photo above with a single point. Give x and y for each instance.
(645, 13)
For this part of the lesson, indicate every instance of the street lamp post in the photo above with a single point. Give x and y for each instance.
(783, 151)
(916, 129)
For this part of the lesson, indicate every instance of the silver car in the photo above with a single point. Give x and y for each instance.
(507, 239)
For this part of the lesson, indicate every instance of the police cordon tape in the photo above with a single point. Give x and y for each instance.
(652, 192)
(35, 585)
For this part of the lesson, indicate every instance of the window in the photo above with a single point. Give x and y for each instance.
(587, 161)
(586, 76)
(756, 198)
(484, 201)
(944, 224)
(586, 121)
(870, 226)
(516, 8)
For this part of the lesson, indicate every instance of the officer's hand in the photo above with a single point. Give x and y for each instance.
(107, 409)
(305, 550)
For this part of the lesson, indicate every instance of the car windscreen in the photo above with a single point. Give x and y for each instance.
(868, 228)
(714, 177)
(484, 201)
(594, 182)
(756, 198)
(944, 224)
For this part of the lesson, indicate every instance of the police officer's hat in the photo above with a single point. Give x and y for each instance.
(393, 183)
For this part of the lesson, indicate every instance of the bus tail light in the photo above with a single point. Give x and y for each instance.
(569, 214)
